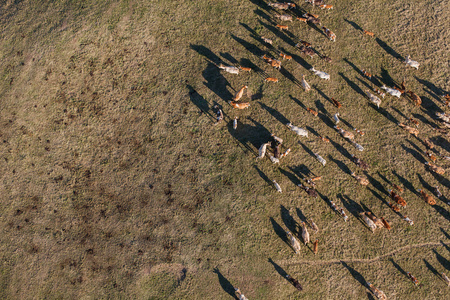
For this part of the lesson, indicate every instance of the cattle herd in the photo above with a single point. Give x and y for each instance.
(285, 12)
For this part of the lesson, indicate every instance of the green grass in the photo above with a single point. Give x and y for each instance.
(115, 184)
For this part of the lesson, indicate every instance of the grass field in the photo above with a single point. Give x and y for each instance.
(116, 183)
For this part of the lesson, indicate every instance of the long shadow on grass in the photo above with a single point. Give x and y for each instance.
(262, 4)
(358, 277)
(280, 231)
(278, 269)
(255, 50)
(276, 114)
(298, 102)
(300, 215)
(250, 136)
(292, 177)
(288, 220)
(263, 175)
(442, 180)
(302, 171)
(442, 211)
(375, 183)
(382, 111)
(298, 59)
(353, 85)
(407, 184)
(216, 82)
(442, 260)
(199, 101)
(424, 120)
(354, 25)
(447, 235)
(434, 91)
(432, 269)
(353, 207)
(425, 184)
(340, 164)
(398, 267)
(341, 150)
(279, 33)
(289, 76)
(389, 49)
(225, 284)
(429, 107)
(386, 78)
(308, 150)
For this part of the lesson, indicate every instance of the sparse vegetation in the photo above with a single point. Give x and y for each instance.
(116, 184)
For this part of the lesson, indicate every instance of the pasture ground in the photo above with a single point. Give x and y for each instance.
(116, 184)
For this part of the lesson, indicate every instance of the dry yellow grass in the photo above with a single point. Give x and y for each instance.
(116, 184)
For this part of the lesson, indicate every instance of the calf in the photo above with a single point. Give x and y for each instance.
(239, 105)
(368, 33)
(411, 62)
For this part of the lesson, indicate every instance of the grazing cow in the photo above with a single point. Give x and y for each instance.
(437, 192)
(294, 242)
(294, 282)
(239, 94)
(415, 98)
(410, 130)
(361, 179)
(283, 6)
(369, 33)
(245, 69)
(374, 99)
(375, 220)
(297, 130)
(428, 144)
(326, 58)
(346, 134)
(428, 198)
(312, 18)
(368, 221)
(266, 40)
(306, 50)
(274, 160)
(343, 214)
(410, 222)
(415, 122)
(239, 105)
(411, 62)
(276, 139)
(436, 169)
(305, 233)
(379, 93)
(320, 159)
(366, 74)
(361, 133)
(285, 56)
(394, 207)
(316, 246)
(305, 84)
(240, 295)
(310, 191)
(325, 6)
(385, 223)
(393, 92)
(324, 139)
(313, 226)
(330, 34)
(235, 123)
(219, 114)
(288, 150)
(378, 293)
(336, 103)
(312, 111)
(431, 156)
(443, 116)
(413, 279)
(229, 69)
(360, 163)
(357, 146)
(262, 149)
(397, 198)
(277, 186)
(446, 279)
(282, 27)
(284, 17)
(304, 43)
(271, 79)
(398, 188)
(321, 74)
(336, 118)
